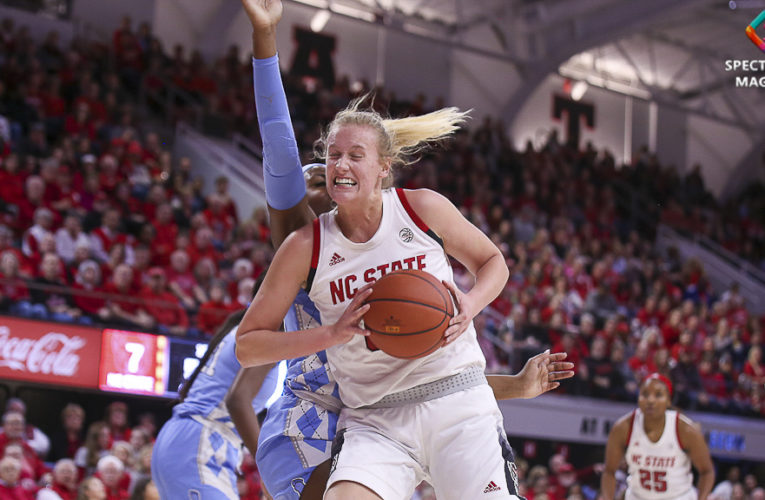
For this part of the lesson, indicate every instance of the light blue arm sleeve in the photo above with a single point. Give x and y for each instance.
(282, 172)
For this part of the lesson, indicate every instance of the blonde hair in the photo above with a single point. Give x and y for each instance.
(398, 139)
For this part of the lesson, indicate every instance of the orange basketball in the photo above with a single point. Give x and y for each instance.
(409, 312)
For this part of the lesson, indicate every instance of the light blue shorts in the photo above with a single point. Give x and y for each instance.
(296, 436)
(191, 461)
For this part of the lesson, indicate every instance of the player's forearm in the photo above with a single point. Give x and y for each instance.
(706, 483)
(264, 43)
(506, 386)
(607, 486)
(246, 386)
(258, 347)
(490, 279)
(282, 172)
(246, 423)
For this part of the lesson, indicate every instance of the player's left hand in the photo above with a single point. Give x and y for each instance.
(543, 372)
(463, 314)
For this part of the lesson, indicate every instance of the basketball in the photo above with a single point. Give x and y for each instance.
(409, 312)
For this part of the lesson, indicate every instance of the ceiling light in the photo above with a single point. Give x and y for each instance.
(319, 20)
(578, 90)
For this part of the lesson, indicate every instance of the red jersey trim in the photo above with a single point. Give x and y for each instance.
(416, 218)
(314, 254)
(677, 431)
(632, 422)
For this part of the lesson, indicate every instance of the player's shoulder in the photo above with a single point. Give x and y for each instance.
(423, 196)
(428, 204)
(623, 426)
(687, 426)
(300, 240)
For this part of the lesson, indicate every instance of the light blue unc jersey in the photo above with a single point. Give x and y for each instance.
(300, 426)
(198, 451)
(207, 396)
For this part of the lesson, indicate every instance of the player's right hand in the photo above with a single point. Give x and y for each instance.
(348, 325)
(263, 14)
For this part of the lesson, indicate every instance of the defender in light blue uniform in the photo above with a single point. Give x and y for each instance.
(198, 451)
(297, 433)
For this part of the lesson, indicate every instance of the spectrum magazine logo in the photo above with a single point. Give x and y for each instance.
(756, 78)
(752, 33)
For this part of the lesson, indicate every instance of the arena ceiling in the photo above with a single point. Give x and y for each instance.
(669, 51)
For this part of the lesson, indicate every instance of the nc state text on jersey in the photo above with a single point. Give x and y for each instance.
(345, 288)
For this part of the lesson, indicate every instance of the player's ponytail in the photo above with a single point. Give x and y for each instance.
(400, 140)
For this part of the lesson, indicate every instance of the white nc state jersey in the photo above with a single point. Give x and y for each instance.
(403, 241)
(660, 470)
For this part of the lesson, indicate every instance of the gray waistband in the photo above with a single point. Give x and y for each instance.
(470, 377)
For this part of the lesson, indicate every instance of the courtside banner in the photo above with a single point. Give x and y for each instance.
(585, 420)
(50, 353)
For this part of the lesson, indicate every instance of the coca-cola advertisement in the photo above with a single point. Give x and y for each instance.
(38, 351)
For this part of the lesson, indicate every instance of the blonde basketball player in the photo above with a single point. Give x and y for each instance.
(659, 445)
(433, 418)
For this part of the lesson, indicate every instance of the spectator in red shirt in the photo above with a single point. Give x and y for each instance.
(244, 294)
(143, 260)
(218, 219)
(753, 368)
(11, 181)
(203, 246)
(117, 420)
(48, 291)
(14, 294)
(92, 97)
(641, 363)
(125, 311)
(49, 172)
(241, 269)
(80, 124)
(63, 484)
(648, 314)
(105, 237)
(170, 317)
(33, 436)
(221, 190)
(212, 313)
(27, 477)
(81, 254)
(109, 471)
(713, 394)
(205, 275)
(88, 294)
(181, 281)
(35, 193)
(69, 437)
(109, 175)
(92, 488)
(670, 331)
(10, 488)
(13, 433)
(166, 232)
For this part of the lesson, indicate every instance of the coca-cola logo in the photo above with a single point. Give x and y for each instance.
(52, 354)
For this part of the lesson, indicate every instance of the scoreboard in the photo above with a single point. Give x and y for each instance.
(142, 363)
(94, 358)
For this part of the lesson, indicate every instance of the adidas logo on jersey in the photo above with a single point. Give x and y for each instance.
(492, 486)
(336, 259)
